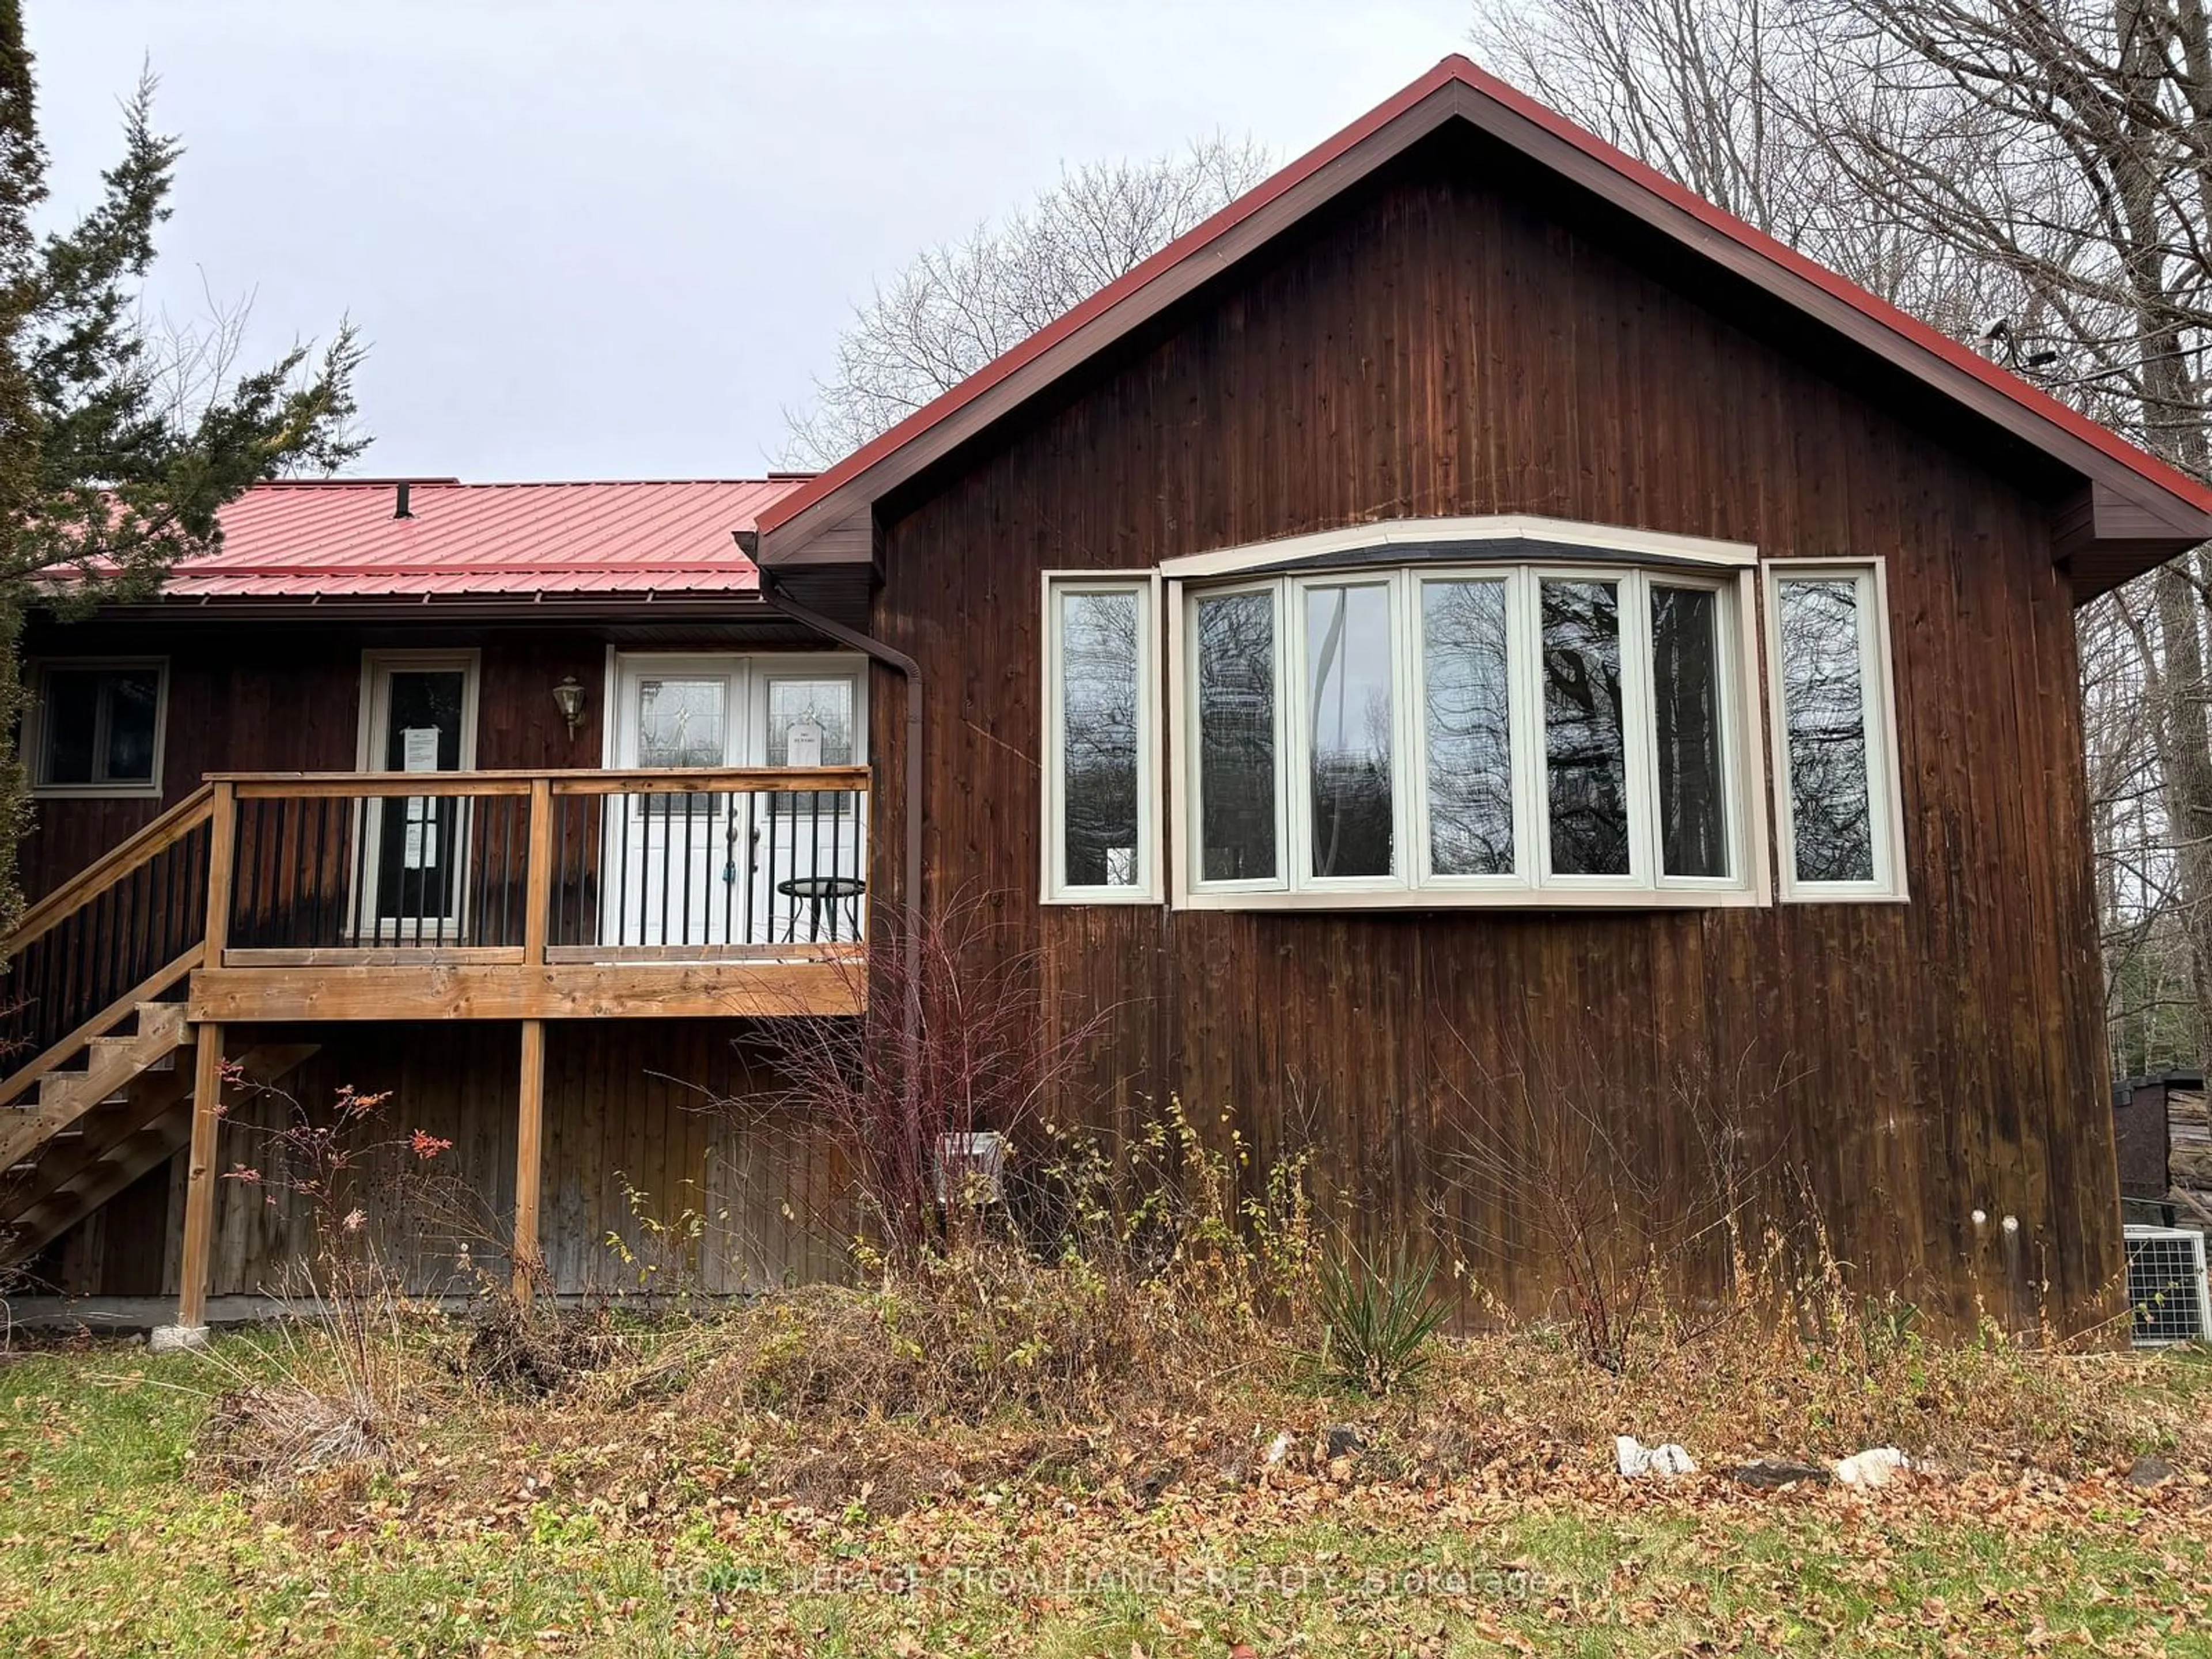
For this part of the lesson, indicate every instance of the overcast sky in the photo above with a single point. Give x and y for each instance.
(617, 238)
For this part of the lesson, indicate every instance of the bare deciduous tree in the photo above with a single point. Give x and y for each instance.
(960, 304)
(1727, 96)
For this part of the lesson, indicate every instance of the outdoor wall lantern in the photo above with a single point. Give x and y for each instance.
(568, 698)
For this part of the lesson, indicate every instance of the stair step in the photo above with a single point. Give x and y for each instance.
(158, 1016)
(51, 1089)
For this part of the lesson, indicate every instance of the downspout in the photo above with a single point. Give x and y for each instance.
(893, 658)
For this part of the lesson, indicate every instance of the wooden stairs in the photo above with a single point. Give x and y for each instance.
(104, 1095)
(85, 1134)
(82, 1135)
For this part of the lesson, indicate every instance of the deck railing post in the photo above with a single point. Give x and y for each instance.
(537, 873)
(222, 862)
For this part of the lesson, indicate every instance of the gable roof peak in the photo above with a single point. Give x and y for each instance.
(2168, 509)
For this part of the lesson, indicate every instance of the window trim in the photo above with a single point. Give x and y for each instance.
(1051, 889)
(1294, 722)
(1522, 724)
(1182, 707)
(1878, 694)
(376, 664)
(147, 789)
(1533, 886)
(1580, 543)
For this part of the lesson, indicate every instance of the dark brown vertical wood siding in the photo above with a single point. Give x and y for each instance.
(274, 698)
(1442, 345)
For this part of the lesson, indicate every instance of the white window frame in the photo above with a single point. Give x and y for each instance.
(1533, 885)
(1878, 700)
(1294, 719)
(1054, 888)
(376, 698)
(100, 789)
(1182, 714)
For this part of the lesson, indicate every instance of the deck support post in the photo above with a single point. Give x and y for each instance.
(191, 1328)
(529, 1158)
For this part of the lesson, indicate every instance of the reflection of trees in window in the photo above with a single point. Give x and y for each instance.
(1686, 722)
(1468, 725)
(1824, 710)
(1348, 654)
(1098, 737)
(1584, 752)
(1236, 737)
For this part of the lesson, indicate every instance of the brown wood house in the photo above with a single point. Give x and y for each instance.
(1473, 664)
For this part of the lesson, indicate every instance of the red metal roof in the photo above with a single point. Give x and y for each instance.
(1909, 329)
(339, 539)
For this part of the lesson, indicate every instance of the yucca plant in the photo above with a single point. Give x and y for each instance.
(1376, 1319)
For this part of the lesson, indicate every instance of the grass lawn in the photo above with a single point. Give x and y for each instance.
(503, 1526)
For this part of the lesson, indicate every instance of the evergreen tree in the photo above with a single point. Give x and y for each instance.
(107, 478)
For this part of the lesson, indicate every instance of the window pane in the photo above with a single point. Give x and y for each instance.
(1685, 716)
(132, 695)
(1348, 665)
(425, 720)
(1236, 737)
(1824, 713)
(1098, 737)
(1468, 728)
(70, 721)
(1585, 758)
(679, 721)
(810, 723)
(816, 714)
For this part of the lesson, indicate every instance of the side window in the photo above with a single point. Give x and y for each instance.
(1101, 741)
(1835, 732)
(100, 727)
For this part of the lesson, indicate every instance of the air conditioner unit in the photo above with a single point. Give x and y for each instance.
(2166, 1289)
(968, 1166)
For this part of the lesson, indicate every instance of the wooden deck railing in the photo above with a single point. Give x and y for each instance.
(481, 895)
(122, 930)
(690, 865)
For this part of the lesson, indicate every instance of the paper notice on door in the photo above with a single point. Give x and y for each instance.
(418, 752)
(418, 848)
(802, 743)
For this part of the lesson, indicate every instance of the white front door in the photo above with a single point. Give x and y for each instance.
(675, 864)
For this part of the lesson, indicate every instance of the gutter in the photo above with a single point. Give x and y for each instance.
(890, 657)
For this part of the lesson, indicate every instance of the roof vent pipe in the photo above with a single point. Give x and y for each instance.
(401, 510)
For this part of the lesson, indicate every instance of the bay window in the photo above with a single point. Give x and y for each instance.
(1509, 732)
(1515, 712)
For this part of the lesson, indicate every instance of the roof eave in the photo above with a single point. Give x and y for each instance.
(790, 529)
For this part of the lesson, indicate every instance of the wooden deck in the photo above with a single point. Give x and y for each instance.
(268, 899)
(624, 894)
